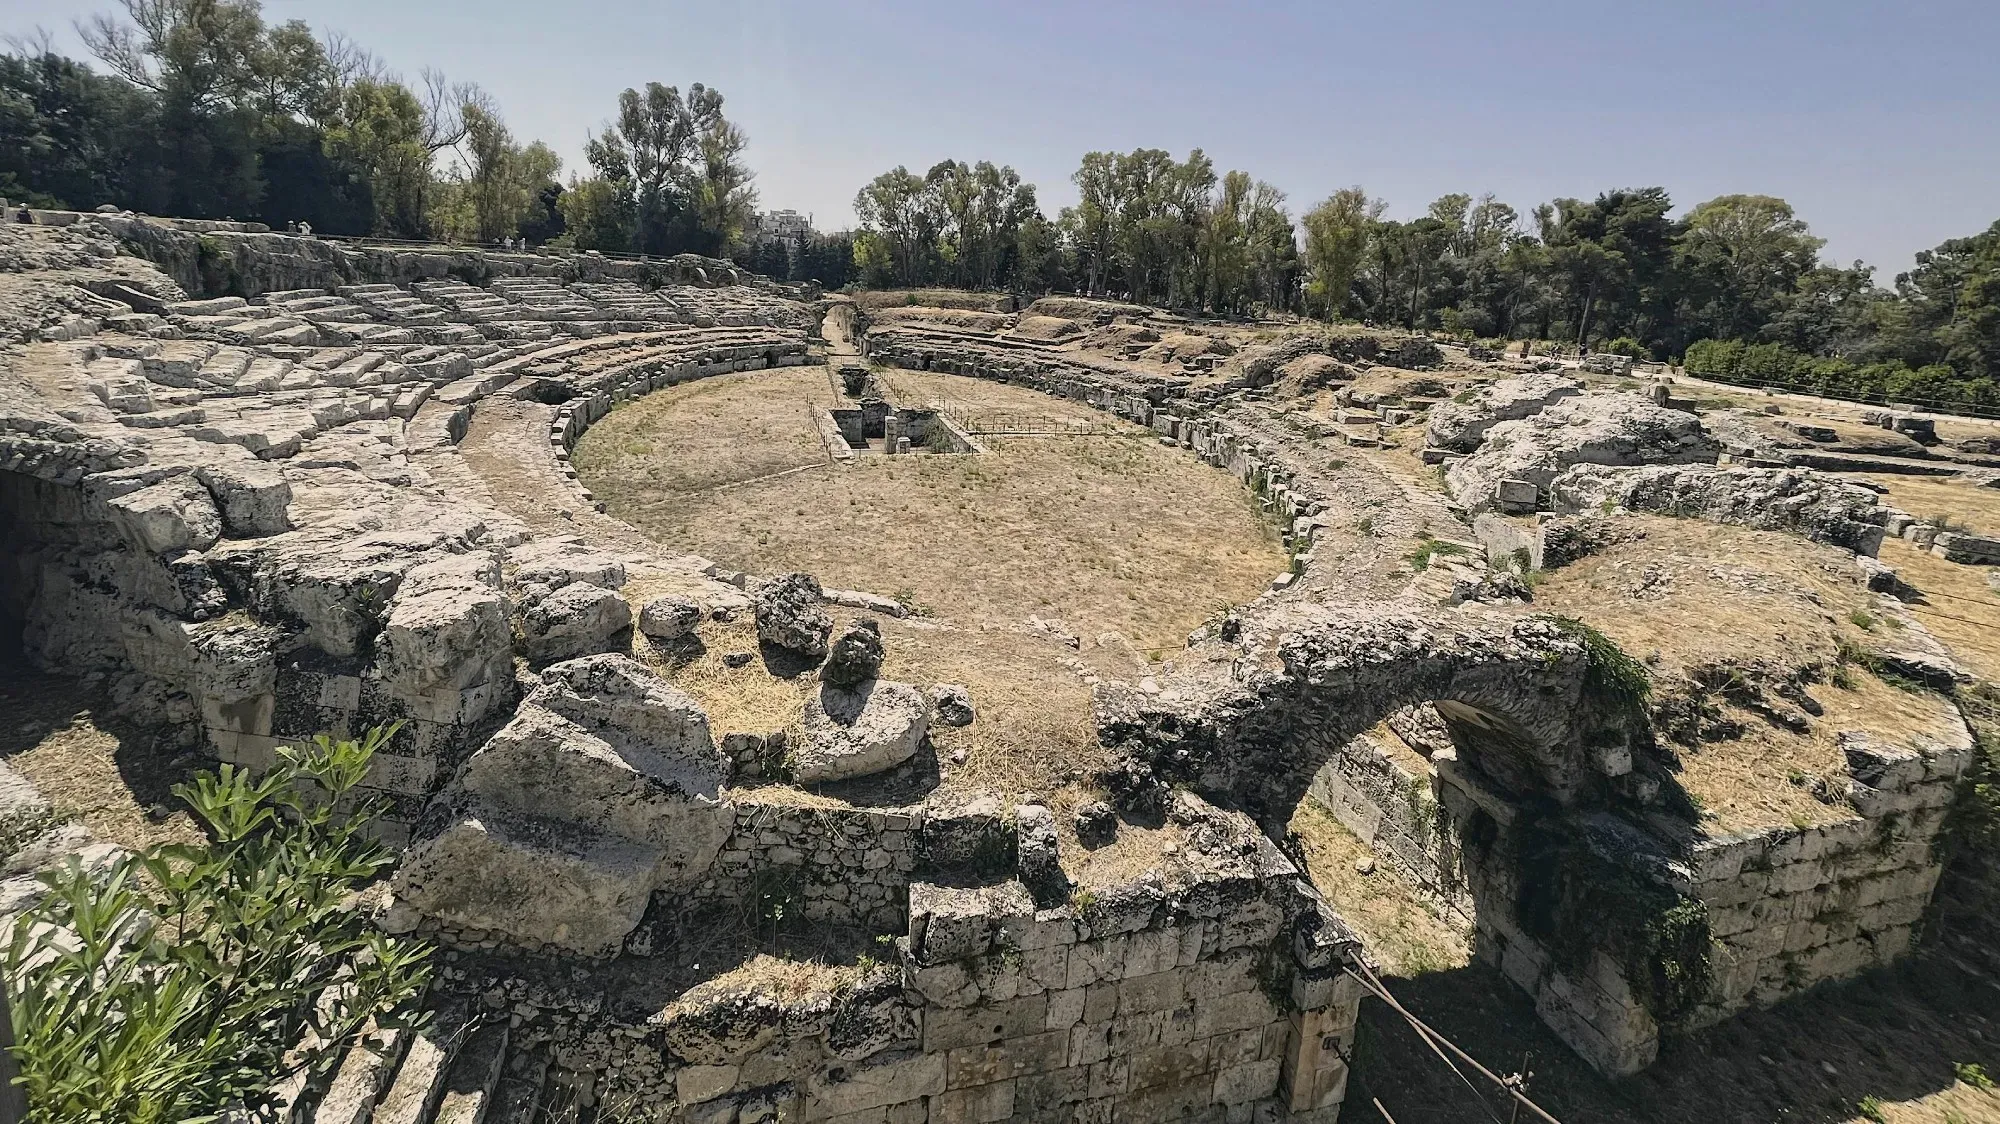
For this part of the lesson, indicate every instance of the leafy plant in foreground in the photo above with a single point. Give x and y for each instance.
(176, 983)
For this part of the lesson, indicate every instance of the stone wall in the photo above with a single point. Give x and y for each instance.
(614, 386)
(1791, 907)
(851, 866)
(1222, 997)
(1397, 815)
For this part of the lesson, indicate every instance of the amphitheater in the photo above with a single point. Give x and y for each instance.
(944, 707)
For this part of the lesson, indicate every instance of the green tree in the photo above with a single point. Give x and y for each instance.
(1336, 237)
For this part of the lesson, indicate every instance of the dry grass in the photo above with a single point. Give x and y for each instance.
(1927, 496)
(1105, 534)
(1391, 916)
(672, 446)
(54, 733)
(1694, 593)
(1958, 605)
(1960, 1104)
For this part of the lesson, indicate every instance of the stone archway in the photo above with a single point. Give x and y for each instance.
(1521, 694)
(1556, 795)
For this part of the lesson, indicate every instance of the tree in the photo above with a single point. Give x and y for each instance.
(382, 132)
(1336, 236)
(1739, 260)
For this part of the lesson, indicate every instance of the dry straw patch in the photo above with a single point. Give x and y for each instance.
(1958, 605)
(1694, 593)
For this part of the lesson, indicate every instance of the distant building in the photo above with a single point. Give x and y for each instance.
(782, 226)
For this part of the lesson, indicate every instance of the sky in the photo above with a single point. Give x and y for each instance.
(1879, 121)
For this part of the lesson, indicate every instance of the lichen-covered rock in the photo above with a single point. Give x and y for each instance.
(855, 657)
(1608, 429)
(1798, 500)
(1096, 824)
(857, 732)
(790, 617)
(669, 618)
(1460, 426)
(577, 620)
(951, 704)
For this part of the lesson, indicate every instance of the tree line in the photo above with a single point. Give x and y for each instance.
(205, 110)
(1619, 272)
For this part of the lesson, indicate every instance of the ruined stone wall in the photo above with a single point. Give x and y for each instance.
(1791, 907)
(1787, 908)
(1398, 816)
(616, 385)
(1222, 1001)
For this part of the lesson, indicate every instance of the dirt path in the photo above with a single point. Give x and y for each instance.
(507, 445)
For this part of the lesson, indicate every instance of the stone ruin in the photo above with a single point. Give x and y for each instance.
(248, 513)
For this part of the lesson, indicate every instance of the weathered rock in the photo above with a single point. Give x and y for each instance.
(790, 616)
(556, 563)
(951, 705)
(174, 514)
(1606, 363)
(1460, 426)
(254, 499)
(534, 880)
(1096, 824)
(447, 632)
(607, 779)
(669, 618)
(856, 656)
(605, 742)
(1035, 850)
(1799, 500)
(1607, 429)
(857, 732)
(576, 620)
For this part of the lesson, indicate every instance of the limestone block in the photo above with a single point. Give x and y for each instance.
(556, 563)
(577, 620)
(854, 733)
(446, 629)
(605, 743)
(669, 618)
(952, 922)
(563, 885)
(886, 1079)
(254, 498)
(173, 515)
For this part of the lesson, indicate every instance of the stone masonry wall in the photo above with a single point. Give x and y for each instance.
(1224, 1001)
(1790, 907)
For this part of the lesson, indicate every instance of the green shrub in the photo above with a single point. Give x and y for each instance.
(1626, 345)
(174, 983)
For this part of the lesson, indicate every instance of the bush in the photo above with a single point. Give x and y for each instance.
(173, 984)
(1777, 365)
(1626, 345)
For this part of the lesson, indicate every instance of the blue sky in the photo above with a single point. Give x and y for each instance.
(1879, 121)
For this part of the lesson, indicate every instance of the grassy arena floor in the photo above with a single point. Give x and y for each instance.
(1104, 534)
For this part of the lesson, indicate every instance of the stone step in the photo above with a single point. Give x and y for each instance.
(361, 1078)
(224, 367)
(472, 1080)
(413, 1096)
